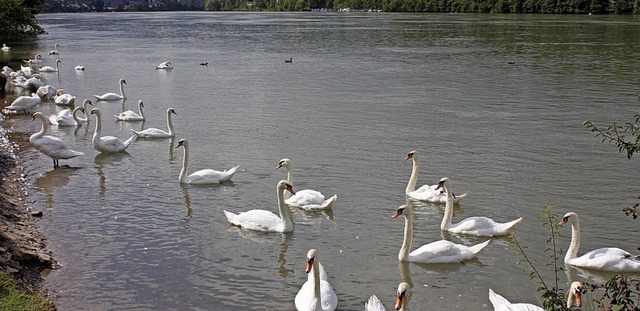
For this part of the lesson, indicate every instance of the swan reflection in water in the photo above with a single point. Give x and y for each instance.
(103, 159)
(267, 237)
(590, 276)
(52, 179)
(187, 202)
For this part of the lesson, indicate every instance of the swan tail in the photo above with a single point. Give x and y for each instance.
(510, 225)
(480, 246)
(233, 170)
(231, 217)
(497, 300)
(138, 134)
(130, 140)
(374, 304)
(331, 200)
(459, 198)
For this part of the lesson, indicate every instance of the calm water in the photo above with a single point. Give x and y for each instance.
(496, 103)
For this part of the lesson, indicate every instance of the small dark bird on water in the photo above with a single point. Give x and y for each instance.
(290, 60)
(204, 64)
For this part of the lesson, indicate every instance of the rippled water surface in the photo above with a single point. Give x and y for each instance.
(495, 102)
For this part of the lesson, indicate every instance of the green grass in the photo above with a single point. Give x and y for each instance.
(13, 297)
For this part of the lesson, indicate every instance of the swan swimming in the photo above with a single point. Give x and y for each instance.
(425, 193)
(305, 199)
(374, 304)
(113, 96)
(131, 115)
(158, 133)
(108, 144)
(206, 176)
(316, 294)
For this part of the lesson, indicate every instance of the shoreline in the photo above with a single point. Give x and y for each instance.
(23, 250)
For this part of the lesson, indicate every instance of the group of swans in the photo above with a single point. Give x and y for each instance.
(425, 193)
(51, 146)
(67, 117)
(574, 298)
(604, 259)
(113, 96)
(305, 199)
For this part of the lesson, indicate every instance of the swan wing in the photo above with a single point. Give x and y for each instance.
(328, 296)
(444, 251)
(483, 226)
(258, 220)
(501, 304)
(108, 96)
(54, 147)
(129, 115)
(429, 194)
(374, 304)
(209, 176)
(152, 133)
(310, 200)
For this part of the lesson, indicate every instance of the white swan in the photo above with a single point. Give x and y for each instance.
(606, 259)
(500, 303)
(158, 133)
(49, 68)
(37, 59)
(64, 99)
(206, 176)
(67, 117)
(5, 48)
(107, 144)
(165, 65)
(305, 199)
(374, 304)
(55, 50)
(425, 193)
(316, 294)
(480, 226)
(113, 96)
(51, 146)
(131, 115)
(262, 220)
(46, 92)
(442, 251)
(80, 67)
(23, 104)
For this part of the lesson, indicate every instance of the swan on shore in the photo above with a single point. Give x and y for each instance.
(51, 146)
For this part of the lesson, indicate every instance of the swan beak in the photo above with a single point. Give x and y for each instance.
(439, 186)
(33, 118)
(564, 221)
(279, 165)
(291, 190)
(400, 301)
(409, 156)
(579, 300)
(396, 215)
(309, 265)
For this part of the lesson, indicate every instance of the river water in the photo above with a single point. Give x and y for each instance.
(495, 102)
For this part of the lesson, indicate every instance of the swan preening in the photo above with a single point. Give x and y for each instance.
(64, 99)
(131, 115)
(206, 176)
(262, 220)
(67, 117)
(374, 304)
(113, 96)
(51, 146)
(500, 303)
(108, 144)
(80, 67)
(442, 251)
(165, 65)
(480, 226)
(606, 259)
(305, 199)
(425, 193)
(158, 133)
(316, 294)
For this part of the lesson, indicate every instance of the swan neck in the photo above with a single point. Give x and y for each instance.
(169, 123)
(96, 133)
(185, 163)
(316, 281)
(448, 210)
(408, 238)
(284, 213)
(75, 115)
(43, 129)
(122, 89)
(289, 174)
(411, 186)
(572, 252)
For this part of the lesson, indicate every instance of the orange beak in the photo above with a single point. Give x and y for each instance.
(396, 215)
(579, 300)
(563, 221)
(309, 265)
(399, 302)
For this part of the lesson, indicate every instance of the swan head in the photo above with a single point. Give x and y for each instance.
(283, 162)
(182, 143)
(140, 103)
(171, 110)
(95, 111)
(123, 81)
(59, 92)
(402, 210)
(401, 295)
(412, 155)
(569, 217)
(37, 115)
(575, 295)
(87, 102)
(444, 182)
(285, 185)
(311, 259)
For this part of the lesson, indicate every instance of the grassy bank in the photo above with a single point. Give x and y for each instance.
(13, 297)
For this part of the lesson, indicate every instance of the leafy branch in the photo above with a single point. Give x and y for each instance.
(626, 136)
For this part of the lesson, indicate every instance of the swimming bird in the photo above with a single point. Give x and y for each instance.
(158, 133)
(205, 176)
(316, 294)
(204, 64)
(374, 304)
(46, 92)
(290, 60)
(113, 96)
(263, 220)
(51, 146)
(64, 99)
(49, 68)
(605, 259)
(425, 193)
(55, 50)
(130, 115)
(442, 251)
(479, 226)
(109, 144)
(305, 199)
(165, 65)
(80, 67)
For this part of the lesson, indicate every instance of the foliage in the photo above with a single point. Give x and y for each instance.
(620, 293)
(13, 298)
(18, 21)
(553, 296)
(632, 211)
(626, 137)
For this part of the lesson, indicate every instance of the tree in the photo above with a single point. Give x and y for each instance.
(18, 21)
(626, 137)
